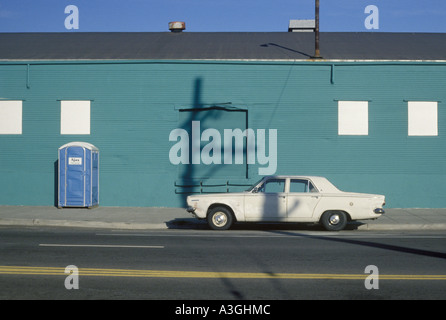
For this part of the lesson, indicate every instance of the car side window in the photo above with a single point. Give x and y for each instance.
(273, 186)
(299, 185)
(311, 187)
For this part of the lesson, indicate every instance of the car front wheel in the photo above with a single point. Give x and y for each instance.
(334, 220)
(220, 218)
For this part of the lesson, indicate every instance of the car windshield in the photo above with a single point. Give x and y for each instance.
(254, 185)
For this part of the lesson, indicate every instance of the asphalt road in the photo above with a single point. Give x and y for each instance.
(255, 264)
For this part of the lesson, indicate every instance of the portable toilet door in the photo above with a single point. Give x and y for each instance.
(78, 175)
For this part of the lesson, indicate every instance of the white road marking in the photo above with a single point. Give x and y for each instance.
(97, 246)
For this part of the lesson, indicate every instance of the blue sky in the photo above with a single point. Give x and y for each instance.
(223, 15)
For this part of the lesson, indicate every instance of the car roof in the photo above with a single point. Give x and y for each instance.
(321, 183)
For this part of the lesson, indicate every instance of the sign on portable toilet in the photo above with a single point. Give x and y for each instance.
(78, 175)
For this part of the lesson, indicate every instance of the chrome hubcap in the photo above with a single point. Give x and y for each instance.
(219, 219)
(334, 219)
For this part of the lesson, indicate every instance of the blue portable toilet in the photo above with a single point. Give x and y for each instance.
(78, 175)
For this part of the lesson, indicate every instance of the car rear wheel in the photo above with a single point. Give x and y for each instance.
(334, 220)
(220, 218)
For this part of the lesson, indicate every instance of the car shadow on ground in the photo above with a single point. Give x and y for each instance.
(196, 224)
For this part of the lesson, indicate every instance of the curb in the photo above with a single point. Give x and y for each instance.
(180, 224)
(378, 227)
(81, 224)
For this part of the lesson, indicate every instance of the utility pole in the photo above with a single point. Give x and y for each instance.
(317, 53)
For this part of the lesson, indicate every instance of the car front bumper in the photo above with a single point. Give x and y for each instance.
(190, 209)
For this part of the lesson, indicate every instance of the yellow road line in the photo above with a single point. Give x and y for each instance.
(20, 270)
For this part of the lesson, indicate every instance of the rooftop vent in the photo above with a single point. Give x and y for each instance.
(177, 26)
(302, 26)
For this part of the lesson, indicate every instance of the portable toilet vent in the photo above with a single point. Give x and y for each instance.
(78, 175)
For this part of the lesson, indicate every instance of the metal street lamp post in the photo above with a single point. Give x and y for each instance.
(317, 53)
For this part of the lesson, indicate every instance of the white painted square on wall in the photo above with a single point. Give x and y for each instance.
(353, 117)
(75, 117)
(422, 118)
(11, 117)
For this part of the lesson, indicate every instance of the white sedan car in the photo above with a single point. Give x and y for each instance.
(287, 199)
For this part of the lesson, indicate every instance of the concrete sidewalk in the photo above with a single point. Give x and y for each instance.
(178, 218)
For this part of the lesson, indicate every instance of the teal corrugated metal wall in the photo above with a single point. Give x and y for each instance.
(135, 106)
